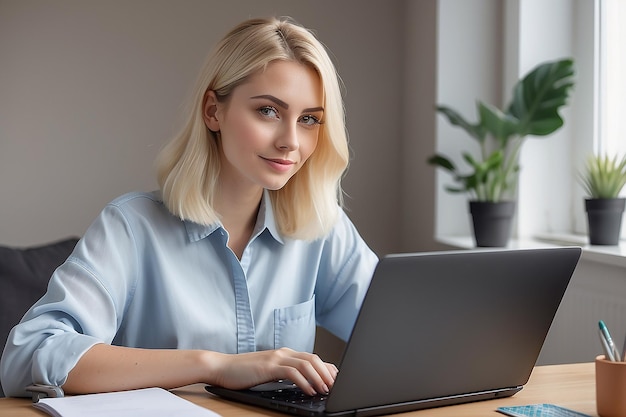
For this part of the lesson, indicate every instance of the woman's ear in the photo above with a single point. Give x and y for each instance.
(209, 111)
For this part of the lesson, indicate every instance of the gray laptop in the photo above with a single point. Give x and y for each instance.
(437, 329)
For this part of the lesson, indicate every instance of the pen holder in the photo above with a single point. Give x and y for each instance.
(610, 387)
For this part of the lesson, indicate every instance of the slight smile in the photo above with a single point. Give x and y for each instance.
(282, 165)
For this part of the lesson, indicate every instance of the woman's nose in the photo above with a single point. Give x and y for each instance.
(288, 138)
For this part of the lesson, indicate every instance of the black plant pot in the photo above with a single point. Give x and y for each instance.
(604, 220)
(492, 222)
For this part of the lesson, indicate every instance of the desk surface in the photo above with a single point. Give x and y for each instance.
(571, 386)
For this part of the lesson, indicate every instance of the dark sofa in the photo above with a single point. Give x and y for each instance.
(24, 276)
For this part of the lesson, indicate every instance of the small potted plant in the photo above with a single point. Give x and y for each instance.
(492, 177)
(603, 180)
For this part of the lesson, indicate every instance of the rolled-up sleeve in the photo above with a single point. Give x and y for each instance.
(78, 310)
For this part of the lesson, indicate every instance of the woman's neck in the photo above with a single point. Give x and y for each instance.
(238, 212)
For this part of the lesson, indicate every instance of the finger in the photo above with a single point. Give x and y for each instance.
(313, 369)
(300, 380)
(332, 369)
(326, 371)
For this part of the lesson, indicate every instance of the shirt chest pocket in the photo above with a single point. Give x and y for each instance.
(294, 326)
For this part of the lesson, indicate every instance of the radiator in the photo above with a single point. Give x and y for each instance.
(596, 292)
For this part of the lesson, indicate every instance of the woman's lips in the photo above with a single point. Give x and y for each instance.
(281, 165)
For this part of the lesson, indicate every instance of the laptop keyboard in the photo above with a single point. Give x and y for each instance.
(295, 396)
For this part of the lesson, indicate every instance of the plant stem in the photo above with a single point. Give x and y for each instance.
(511, 161)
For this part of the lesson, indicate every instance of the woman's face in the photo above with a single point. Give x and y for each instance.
(269, 125)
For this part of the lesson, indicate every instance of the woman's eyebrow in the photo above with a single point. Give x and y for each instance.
(274, 99)
(285, 105)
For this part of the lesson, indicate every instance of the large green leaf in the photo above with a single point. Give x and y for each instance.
(442, 162)
(539, 95)
(475, 130)
(501, 125)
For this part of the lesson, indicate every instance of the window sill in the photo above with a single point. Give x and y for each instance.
(609, 255)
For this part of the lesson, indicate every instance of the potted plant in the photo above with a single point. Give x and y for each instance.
(492, 177)
(603, 180)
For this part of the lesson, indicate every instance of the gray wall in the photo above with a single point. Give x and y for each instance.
(90, 90)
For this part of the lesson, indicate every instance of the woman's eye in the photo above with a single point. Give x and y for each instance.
(310, 120)
(268, 111)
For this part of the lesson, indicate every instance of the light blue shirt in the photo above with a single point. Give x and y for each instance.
(141, 277)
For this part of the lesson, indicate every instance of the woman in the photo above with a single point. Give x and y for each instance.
(222, 276)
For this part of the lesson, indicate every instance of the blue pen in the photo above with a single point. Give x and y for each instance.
(611, 351)
(608, 355)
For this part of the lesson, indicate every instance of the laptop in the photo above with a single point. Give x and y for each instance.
(436, 329)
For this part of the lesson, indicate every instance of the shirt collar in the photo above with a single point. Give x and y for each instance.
(265, 221)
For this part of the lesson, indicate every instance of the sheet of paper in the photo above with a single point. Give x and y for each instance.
(149, 402)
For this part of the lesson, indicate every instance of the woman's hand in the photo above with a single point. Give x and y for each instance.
(245, 370)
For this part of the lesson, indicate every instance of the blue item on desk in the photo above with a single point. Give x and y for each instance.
(540, 410)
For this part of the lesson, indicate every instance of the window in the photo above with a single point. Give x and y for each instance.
(611, 82)
(611, 97)
(551, 199)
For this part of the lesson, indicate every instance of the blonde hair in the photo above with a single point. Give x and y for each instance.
(188, 166)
